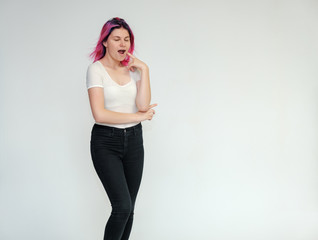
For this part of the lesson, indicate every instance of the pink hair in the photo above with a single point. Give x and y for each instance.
(108, 27)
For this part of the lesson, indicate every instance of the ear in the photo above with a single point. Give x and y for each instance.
(105, 44)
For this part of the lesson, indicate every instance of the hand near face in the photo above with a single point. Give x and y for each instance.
(135, 63)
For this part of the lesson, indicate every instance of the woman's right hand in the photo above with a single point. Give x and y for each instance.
(147, 115)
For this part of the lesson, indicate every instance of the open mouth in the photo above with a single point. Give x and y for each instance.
(121, 51)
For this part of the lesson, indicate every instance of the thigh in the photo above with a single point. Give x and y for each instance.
(109, 167)
(133, 163)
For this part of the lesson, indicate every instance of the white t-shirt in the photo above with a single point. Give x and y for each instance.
(117, 98)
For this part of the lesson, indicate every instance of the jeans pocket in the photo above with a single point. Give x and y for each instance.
(98, 133)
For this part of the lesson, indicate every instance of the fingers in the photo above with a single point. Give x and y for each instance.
(152, 111)
(130, 65)
(151, 114)
(130, 55)
(130, 68)
(153, 105)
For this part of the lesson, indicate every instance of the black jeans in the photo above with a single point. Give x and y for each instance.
(118, 158)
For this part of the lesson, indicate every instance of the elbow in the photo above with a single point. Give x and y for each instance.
(97, 116)
(97, 119)
(143, 108)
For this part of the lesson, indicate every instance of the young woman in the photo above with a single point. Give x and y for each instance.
(119, 94)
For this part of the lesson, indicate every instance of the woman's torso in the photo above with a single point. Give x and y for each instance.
(120, 91)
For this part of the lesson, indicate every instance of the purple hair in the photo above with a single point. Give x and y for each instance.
(108, 27)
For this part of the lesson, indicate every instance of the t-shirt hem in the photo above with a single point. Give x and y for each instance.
(122, 126)
(95, 86)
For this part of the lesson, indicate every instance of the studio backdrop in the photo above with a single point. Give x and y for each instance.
(231, 153)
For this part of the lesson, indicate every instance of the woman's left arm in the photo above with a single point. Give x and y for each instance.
(143, 97)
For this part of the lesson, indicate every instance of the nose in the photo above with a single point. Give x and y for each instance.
(122, 43)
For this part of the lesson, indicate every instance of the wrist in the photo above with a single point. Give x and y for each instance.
(138, 117)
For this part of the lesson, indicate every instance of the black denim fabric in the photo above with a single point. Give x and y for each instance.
(118, 158)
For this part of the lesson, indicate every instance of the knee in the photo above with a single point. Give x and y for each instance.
(123, 209)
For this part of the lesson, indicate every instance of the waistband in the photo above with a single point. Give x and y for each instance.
(118, 131)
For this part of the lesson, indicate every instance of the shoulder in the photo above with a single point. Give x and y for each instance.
(94, 77)
(93, 67)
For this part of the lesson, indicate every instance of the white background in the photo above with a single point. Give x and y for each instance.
(231, 153)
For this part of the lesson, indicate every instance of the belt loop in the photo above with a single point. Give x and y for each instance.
(112, 132)
(135, 130)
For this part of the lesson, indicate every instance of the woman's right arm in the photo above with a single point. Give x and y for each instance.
(102, 115)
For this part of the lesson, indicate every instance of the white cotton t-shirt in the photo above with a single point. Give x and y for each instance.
(117, 98)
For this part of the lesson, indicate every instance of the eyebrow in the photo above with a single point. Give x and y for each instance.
(119, 36)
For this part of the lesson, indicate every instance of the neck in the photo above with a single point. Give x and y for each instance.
(110, 62)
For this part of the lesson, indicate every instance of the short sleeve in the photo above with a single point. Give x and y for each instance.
(135, 75)
(93, 78)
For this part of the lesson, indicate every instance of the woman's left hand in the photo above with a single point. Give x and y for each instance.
(135, 63)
